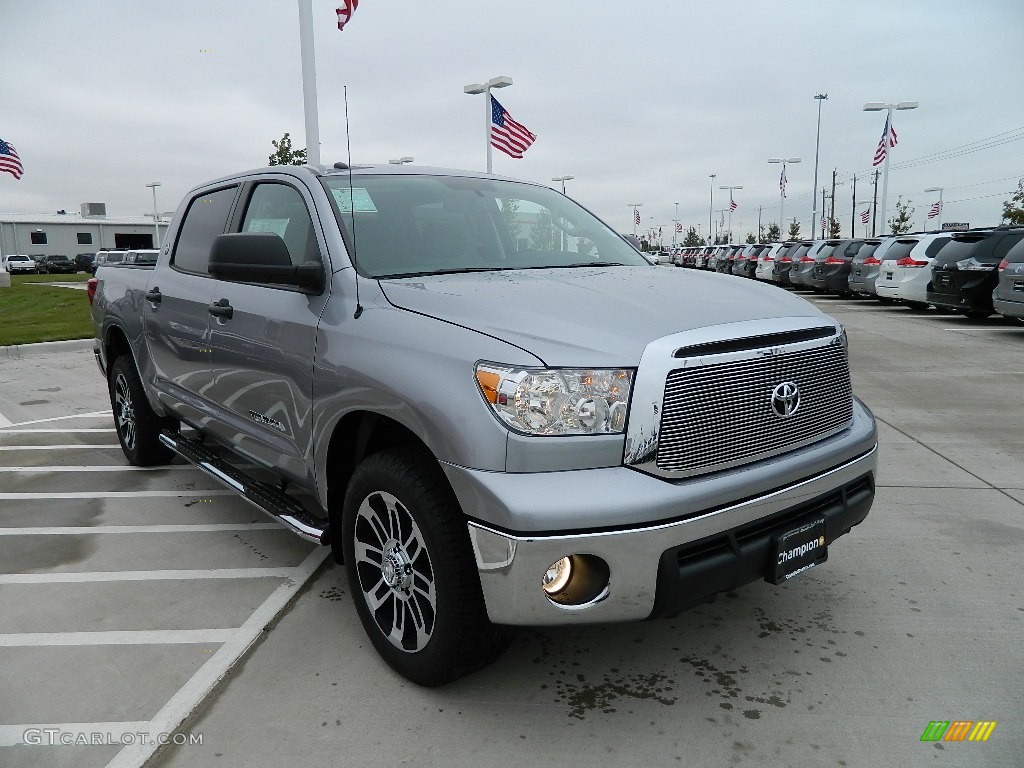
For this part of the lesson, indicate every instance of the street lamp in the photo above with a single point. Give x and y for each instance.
(485, 88)
(711, 208)
(782, 190)
(817, 145)
(878, 106)
(401, 160)
(563, 179)
(156, 216)
(939, 190)
(636, 215)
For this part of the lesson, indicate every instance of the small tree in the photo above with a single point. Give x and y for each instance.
(542, 235)
(833, 228)
(1013, 209)
(901, 222)
(773, 234)
(794, 230)
(510, 215)
(284, 154)
(692, 238)
(750, 238)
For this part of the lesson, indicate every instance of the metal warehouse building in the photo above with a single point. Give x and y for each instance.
(72, 233)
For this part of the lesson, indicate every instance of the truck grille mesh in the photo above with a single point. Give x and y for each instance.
(716, 416)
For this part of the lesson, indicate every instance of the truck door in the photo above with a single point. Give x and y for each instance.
(177, 322)
(262, 342)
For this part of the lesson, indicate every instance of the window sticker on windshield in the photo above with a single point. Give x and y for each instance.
(345, 198)
(277, 226)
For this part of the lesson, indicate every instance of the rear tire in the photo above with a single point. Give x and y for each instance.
(977, 314)
(138, 425)
(917, 305)
(412, 572)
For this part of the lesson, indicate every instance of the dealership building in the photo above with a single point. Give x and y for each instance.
(69, 234)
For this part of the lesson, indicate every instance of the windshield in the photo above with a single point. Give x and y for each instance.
(403, 226)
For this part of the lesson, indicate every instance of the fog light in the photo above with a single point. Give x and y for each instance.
(557, 576)
(576, 581)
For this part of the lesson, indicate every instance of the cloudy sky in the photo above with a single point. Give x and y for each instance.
(639, 101)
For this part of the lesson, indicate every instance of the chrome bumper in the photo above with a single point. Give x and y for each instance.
(511, 566)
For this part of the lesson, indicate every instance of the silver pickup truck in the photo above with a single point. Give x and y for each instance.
(489, 405)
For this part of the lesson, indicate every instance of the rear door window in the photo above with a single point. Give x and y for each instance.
(206, 217)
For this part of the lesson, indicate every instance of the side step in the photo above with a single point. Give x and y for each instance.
(267, 498)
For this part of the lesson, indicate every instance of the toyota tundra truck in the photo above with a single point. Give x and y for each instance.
(485, 401)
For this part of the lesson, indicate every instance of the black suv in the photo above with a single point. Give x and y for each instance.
(58, 265)
(964, 271)
(84, 261)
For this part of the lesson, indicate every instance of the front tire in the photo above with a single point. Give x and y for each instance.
(412, 571)
(138, 425)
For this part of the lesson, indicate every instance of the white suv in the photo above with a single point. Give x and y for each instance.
(906, 269)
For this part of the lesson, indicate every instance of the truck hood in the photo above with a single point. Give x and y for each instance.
(591, 316)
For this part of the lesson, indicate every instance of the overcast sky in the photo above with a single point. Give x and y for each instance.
(639, 101)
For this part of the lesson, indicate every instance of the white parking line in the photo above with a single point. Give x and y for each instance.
(216, 669)
(75, 530)
(118, 637)
(111, 733)
(88, 577)
(95, 414)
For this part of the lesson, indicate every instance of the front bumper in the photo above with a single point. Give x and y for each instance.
(658, 569)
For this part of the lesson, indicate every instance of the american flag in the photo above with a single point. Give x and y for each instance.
(510, 137)
(9, 160)
(348, 7)
(935, 211)
(636, 216)
(782, 181)
(888, 140)
(679, 226)
(865, 216)
(733, 205)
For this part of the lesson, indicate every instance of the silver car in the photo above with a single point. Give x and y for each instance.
(1008, 297)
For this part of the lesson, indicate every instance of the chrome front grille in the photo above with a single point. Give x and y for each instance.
(716, 416)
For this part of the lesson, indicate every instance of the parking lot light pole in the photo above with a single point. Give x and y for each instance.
(817, 146)
(878, 106)
(561, 233)
(156, 216)
(485, 88)
(711, 208)
(782, 192)
(939, 190)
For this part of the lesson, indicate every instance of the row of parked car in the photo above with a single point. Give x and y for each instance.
(976, 272)
(37, 265)
(83, 262)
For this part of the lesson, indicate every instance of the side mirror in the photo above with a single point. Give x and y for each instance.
(261, 257)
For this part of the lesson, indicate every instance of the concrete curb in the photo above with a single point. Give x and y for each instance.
(45, 347)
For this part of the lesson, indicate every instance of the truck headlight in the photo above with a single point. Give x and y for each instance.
(557, 401)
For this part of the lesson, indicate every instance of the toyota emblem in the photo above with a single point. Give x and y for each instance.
(785, 399)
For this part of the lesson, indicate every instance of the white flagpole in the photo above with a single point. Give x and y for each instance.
(309, 81)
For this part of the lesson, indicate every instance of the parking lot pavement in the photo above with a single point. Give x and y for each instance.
(126, 594)
(916, 617)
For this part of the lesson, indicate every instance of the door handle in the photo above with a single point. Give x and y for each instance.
(222, 309)
(154, 296)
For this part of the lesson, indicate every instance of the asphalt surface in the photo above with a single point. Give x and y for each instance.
(135, 600)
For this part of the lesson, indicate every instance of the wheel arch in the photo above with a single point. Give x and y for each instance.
(357, 435)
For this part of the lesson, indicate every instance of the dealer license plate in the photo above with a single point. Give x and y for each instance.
(797, 550)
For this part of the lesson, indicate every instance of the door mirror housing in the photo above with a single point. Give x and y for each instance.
(261, 257)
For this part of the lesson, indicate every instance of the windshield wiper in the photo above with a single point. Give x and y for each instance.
(452, 271)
